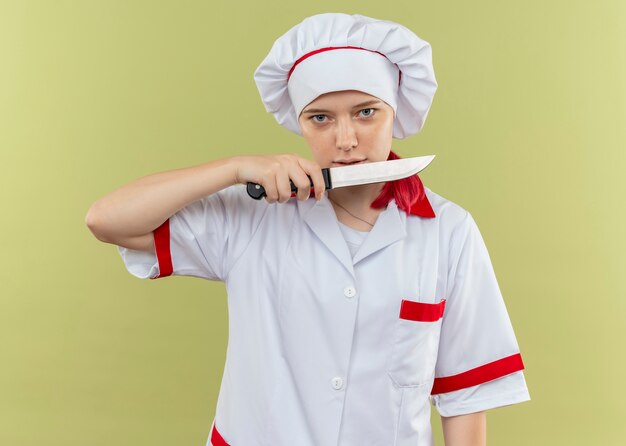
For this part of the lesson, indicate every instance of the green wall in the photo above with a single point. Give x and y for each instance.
(529, 125)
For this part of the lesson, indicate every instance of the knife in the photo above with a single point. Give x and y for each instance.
(365, 173)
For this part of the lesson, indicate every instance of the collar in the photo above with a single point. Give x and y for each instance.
(422, 207)
(321, 219)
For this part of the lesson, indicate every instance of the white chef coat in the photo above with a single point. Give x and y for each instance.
(329, 349)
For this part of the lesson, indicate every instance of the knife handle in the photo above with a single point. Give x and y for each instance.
(257, 191)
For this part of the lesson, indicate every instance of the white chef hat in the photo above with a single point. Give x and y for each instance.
(334, 52)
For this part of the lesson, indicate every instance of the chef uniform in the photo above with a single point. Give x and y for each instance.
(338, 337)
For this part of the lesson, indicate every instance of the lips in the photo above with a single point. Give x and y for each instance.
(349, 162)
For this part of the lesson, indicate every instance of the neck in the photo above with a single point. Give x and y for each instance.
(352, 205)
(357, 197)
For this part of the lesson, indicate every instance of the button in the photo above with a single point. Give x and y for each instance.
(349, 291)
(337, 382)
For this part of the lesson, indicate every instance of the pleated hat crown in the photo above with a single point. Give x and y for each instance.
(335, 52)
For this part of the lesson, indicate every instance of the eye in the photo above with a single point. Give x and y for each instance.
(367, 112)
(318, 118)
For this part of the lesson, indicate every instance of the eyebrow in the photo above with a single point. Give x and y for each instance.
(362, 104)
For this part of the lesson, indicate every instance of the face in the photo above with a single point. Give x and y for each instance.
(347, 127)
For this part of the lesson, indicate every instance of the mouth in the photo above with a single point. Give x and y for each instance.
(350, 162)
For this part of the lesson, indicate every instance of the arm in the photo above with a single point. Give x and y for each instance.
(465, 430)
(128, 216)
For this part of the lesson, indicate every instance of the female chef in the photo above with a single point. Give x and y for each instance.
(350, 311)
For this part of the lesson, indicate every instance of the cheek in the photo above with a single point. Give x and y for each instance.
(389, 123)
(317, 157)
(386, 132)
(379, 139)
(381, 133)
(319, 146)
(322, 153)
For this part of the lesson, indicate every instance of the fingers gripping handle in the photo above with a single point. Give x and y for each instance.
(257, 191)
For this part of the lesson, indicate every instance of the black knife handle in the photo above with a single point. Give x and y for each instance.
(257, 191)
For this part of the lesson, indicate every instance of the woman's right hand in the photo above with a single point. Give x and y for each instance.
(129, 215)
(273, 172)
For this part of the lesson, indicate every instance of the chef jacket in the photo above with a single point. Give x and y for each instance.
(329, 349)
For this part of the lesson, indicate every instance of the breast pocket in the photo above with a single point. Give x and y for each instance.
(415, 342)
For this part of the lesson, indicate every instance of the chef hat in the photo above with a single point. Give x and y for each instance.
(334, 52)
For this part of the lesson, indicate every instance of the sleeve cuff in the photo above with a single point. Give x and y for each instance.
(479, 375)
(163, 249)
(504, 391)
(148, 265)
(141, 264)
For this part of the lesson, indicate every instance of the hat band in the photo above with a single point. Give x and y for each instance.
(330, 48)
(362, 70)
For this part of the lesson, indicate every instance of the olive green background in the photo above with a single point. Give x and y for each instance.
(529, 128)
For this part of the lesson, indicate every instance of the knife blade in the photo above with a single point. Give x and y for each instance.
(366, 173)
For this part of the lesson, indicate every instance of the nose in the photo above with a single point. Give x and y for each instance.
(346, 138)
